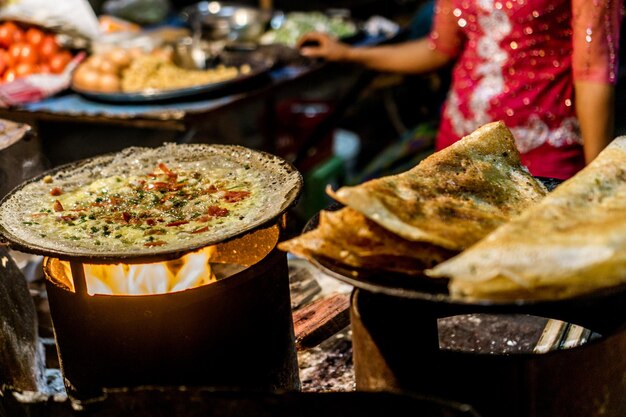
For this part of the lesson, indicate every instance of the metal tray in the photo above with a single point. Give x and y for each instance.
(260, 64)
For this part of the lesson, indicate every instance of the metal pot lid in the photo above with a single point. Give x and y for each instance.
(148, 204)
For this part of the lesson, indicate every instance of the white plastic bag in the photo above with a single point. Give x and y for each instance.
(73, 16)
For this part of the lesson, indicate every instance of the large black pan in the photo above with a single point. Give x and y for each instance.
(281, 186)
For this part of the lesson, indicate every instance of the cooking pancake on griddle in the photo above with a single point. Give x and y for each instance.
(572, 242)
(147, 202)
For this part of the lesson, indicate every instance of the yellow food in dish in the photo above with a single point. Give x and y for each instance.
(154, 73)
(136, 71)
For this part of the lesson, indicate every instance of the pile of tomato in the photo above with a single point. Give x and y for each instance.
(29, 50)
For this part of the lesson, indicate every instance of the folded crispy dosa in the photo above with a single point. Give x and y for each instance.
(572, 242)
(456, 196)
(348, 237)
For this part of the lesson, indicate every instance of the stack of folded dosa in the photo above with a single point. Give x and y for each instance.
(415, 220)
(572, 242)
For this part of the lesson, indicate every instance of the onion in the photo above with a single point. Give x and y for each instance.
(94, 62)
(86, 78)
(109, 83)
(108, 67)
(120, 57)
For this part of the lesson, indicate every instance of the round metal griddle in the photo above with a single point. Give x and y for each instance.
(602, 310)
(282, 183)
(432, 289)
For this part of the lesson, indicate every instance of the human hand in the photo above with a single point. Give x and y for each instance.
(321, 45)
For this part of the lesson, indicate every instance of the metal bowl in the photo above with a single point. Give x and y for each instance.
(224, 20)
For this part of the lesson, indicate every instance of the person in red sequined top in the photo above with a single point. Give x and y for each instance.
(547, 68)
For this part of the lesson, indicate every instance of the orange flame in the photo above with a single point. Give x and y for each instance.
(192, 270)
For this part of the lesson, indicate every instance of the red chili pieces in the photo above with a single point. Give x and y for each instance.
(235, 196)
(217, 211)
(177, 223)
(57, 206)
(56, 191)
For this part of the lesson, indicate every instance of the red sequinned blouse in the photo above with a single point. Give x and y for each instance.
(517, 62)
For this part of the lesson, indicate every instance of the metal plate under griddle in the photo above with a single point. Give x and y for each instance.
(433, 289)
(278, 185)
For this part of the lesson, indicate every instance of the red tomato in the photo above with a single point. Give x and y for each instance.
(34, 36)
(18, 35)
(10, 34)
(8, 58)
(24, 69)
(4, 62)
(15, 50)
(6, 35)
(9, 75)
(23, 52)
(28, 54)
(59, 61)
(44, 68)
(48, 48)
